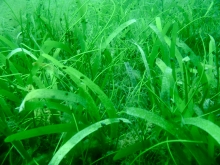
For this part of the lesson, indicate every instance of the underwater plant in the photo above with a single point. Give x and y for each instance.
(110, 82)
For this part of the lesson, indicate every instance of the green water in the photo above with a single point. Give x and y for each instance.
(12, 11)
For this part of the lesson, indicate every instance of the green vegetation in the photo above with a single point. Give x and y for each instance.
(111, 82)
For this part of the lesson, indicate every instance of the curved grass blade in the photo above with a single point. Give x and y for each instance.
(144, 58)
(79, 136)
(198, 154)
(148, 73)
(152, 118)
(168, 87)
(33, 105)
(45, 130)
(82, 81)
(116, 32)
(209, 8)
(17, 50)
(208, 126)
(52, 94)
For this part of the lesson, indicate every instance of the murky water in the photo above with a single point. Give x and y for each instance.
(12, 11)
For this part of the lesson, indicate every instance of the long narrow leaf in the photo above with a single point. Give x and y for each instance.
(52, 94)
(144, 58)
(81, 80)
(164, 47)
(208, 126)
(169, 127)
(17, 50)
(7, 42)
(152, 118)
(79, 136)
(116, 32)
(58, 128)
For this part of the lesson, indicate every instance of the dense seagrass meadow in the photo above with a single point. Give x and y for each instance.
(110, 82)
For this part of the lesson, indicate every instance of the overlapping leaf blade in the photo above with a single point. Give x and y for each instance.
(79, 136)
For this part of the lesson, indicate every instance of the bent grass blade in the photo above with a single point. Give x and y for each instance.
(17, 50)
(116, 32)
(33, 105)
(45, 130)
(52, 94)
(208, 126)
(144, 58)
(171, 128)
(148, 73)
(81, 81)
(152, 118)
(79, 136)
